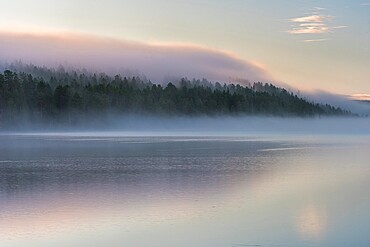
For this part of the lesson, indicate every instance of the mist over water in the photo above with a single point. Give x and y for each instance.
(120, 188)
(220, 125)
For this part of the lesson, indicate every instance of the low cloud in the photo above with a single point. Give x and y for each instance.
(158, 62)
(360, 96)
(351, 103)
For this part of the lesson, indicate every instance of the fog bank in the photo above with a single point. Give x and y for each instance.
(148, 125)
(342, 101)
(159, 62)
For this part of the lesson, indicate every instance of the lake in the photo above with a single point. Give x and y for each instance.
(175, 189)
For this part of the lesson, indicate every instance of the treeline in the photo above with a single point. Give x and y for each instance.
(74, 97)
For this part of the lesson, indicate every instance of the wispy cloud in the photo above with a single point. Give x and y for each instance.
(313, 24)
(309, 29)
(319, 8)
(314, 40)
(339, 27)
(311, 18)
(365, 4)
(360, 96)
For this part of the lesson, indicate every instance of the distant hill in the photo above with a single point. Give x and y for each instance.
(71, 97)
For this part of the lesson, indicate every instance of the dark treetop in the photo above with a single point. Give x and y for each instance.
(57, 96)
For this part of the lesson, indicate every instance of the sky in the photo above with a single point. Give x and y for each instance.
(308, 44)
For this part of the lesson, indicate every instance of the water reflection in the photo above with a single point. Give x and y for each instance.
(312, 222)
(66, 191)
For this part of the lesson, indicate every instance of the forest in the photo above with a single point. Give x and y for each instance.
(57, 96)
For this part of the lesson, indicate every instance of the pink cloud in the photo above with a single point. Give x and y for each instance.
(315, 40)
(361, 96)
(311, 18)
(157, 61)
(314, 24)
(309, 30)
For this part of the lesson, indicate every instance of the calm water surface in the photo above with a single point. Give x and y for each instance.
(114, 189)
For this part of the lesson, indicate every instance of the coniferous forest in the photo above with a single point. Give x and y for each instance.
(48, 95)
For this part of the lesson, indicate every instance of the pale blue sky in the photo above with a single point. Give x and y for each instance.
(332, 54)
